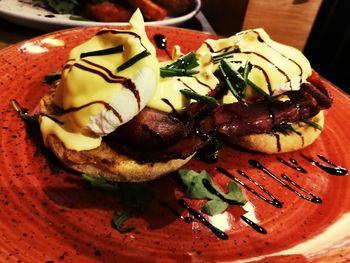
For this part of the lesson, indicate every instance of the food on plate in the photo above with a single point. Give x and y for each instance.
(120, 114)
(119, 11)
(176, 7)
(106, 82)
(279, 98)
(108, 12)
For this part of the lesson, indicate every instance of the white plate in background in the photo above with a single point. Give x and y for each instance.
(24, 13)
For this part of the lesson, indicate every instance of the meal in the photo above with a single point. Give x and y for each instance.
(119, 11)
(118, 113)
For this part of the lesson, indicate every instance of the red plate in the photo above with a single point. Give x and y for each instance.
(50, 218)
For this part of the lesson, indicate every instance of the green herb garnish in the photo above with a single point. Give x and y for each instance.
(234, 81)
(237, 83)
(285, 128)
(260, 91)
(313, 124)
(197, 190)
(172, 72)
(135, 197)
(210, 153)
(52, 77)
(60, 6)
(182, 67)
(227, 54)
(107, 51)
(188, 61)
(133, 60)
(210, 101)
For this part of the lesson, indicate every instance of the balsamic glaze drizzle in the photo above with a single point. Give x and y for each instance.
(334, 169)
(292, 164)
(253, 225)
(164, 204)
(272, 201)
(212, 190)
(292, 60)
(314, 198)
(161, 43)
(220, 234)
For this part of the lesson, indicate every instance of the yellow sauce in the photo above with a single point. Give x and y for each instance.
(93, 79)
(277, 68)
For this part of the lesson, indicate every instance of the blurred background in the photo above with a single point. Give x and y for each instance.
(319, 28)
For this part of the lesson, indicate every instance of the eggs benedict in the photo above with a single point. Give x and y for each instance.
(120, 114)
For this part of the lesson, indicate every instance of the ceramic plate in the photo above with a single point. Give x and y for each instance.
(49, 218)
(24, 13)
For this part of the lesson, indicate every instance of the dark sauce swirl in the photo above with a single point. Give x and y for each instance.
(254, 225)
(272, 200)
(313, 198)
(260, 39)
(220, 234)
(106, 75)
(292, 164)
(161, 42)
(333, 169)
(212, 190)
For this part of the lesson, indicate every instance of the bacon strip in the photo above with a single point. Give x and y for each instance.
(232, 120)
(155, 136)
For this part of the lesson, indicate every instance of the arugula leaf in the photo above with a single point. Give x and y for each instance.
(101, 184)
(197, 190)
(135, 197)
(214, 207)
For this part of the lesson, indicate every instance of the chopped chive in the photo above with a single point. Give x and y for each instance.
(133, 60)
(171, 72)
(188, 61)
(260, 91)
(247, 69)
(107, 51)
(210, 101)
(226, 54)
(229, 73)
(313, 124)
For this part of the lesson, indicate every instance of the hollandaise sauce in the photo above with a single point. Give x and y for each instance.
(276, 68)
(105, 82)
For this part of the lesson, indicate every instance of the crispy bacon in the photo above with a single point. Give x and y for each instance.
(155, 136)
(152, 129)
(232, 120)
